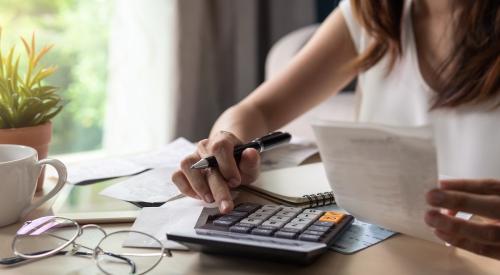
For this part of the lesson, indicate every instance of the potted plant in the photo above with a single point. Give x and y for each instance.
(27, 105)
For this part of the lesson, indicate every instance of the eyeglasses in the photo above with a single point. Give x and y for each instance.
(48, 236)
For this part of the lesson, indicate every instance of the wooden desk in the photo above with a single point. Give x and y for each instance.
(398, 255)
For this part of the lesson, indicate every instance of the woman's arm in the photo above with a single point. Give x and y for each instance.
(318, 71)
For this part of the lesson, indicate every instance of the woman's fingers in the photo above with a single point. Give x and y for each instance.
(488, 250)
(221, 192)
(213, 184)
(484, 205)
(486, 186)
(183, 184)
(196, 179)
(249, 165)
(222, 146)
(487, 233)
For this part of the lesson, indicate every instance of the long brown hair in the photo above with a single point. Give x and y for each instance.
(473, 66)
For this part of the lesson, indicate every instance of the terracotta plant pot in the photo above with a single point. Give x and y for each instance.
(37, 137)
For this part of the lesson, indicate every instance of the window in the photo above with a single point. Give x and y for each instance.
(79, 31)
(116, 62)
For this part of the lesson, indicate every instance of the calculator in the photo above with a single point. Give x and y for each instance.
(274, 232)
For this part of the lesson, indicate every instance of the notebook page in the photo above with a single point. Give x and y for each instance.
(380, 174)
(291, 184)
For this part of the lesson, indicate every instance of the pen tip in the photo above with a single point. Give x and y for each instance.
(202, 163)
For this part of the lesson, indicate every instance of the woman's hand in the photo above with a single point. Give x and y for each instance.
(214, 184)
(479, 197)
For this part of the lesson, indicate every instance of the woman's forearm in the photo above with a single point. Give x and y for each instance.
(244, 121)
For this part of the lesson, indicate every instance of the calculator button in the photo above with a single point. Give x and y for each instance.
(244, 225)
(262, 231)
(287, 213)
(224, 223)
(318, 228)
(309, 238)
(275, 224)
(247, 207)
(331, 216)
(273, 228)
(251, 221)
(300, 220)
(226, 220)
(298, 226)
(286, 235)
(292, 209)
(240, 229)
(308, 216)
(312, 211)
(261, 216)
(238, 214)
(271, 207)
(279, 218)
(268, 212)
(313, 232)
(328, 219)
(293, 230)
(325, 224)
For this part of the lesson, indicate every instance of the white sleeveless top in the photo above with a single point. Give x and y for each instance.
(467, 138)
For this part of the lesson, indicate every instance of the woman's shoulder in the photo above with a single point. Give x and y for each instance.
(353, 24)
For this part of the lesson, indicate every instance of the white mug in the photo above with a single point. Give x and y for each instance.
(19, 171)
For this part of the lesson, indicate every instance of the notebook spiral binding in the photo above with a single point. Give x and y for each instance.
(320, 199)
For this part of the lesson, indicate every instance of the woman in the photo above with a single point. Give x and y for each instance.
(418, 62)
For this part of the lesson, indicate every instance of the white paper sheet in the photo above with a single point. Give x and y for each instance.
(102, 169)
(380, 174)
(151, 186)
(288, 155)
(168, 156)
(158, 221)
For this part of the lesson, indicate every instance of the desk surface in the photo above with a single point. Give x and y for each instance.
(398, 255)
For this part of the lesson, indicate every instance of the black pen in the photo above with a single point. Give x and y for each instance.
(264, 143)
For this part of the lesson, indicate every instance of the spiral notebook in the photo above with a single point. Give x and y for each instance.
(301, 186)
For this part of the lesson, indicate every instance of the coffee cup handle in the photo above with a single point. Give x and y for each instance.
(62, 175)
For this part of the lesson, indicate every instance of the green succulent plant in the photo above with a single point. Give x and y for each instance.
(24, 99)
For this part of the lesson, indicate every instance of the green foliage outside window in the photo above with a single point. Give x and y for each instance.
(79, 31)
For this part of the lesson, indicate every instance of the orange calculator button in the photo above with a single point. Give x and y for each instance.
(331, 216)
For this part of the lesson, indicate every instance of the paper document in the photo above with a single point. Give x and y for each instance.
(288, 155)
(380, 174)
(168, 156)
(102, 169)
(158, 221)
(151, 186)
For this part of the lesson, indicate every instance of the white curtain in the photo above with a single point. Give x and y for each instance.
(141, 79)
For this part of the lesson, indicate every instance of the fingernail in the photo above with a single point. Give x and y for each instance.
(436, 197)
(225, 206)
(234, 182)
(209, 198)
